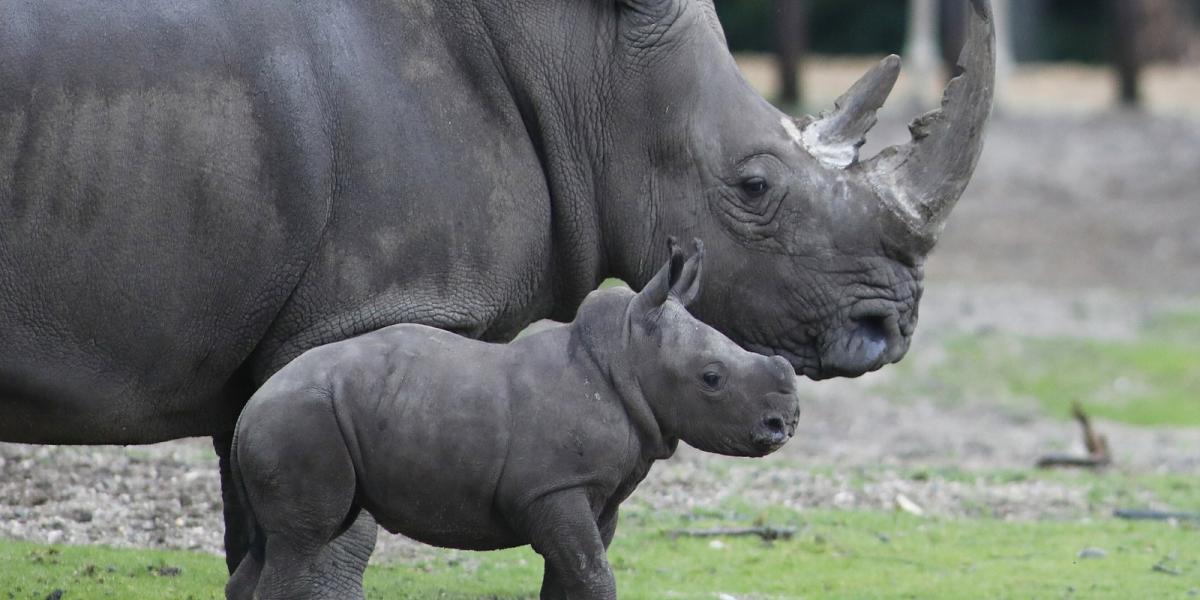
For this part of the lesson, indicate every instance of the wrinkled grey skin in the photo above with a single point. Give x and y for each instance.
(193, 193)
(471, 445)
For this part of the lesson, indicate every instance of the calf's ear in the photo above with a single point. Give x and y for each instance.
(687, 287)
(662, 284)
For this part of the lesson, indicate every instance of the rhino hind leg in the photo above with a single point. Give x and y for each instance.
(343, 561)
(238, 523)
(290, 461)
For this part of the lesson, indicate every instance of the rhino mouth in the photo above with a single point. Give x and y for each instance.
(863, 344)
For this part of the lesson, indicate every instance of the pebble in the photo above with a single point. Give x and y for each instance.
(907, 505)
(1092, 553)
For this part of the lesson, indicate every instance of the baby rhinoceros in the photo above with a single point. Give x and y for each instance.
(466, 444)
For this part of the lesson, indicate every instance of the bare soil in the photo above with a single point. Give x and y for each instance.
(1075, 224)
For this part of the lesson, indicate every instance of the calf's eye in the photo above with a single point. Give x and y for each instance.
(711, 379)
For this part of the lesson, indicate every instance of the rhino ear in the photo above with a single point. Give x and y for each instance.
(687, 287)
(661, 285)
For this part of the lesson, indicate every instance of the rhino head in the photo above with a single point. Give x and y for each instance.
(819, 254)
(681, 378)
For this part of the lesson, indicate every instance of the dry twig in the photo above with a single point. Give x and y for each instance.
(766, 533)
(1098, 453)
(1134, 514)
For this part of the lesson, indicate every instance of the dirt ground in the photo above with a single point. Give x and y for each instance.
(1077, 223)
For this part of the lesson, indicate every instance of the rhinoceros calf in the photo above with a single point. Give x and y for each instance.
(466, 444)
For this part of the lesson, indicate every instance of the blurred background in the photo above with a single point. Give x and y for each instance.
(1133, 52)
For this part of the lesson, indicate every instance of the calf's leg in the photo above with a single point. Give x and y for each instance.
(563, 530)
(299, 484)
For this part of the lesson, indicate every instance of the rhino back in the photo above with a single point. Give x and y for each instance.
(441, 213)
(425, 415)
(197, 192)
(155, 216)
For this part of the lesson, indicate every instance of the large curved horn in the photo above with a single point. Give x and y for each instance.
(920, 181)
(834, 137)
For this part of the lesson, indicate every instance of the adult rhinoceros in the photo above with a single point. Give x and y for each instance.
(193, 192)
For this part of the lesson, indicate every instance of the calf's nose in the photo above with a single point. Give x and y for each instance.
(772, 432)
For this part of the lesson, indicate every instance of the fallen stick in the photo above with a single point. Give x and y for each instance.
(1070, 460)
(1098, 453)
(766, 533)
(1135, 514)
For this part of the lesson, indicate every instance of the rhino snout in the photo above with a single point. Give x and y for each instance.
(776, 428)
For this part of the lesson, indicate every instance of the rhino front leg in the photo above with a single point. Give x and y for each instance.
(563, 530)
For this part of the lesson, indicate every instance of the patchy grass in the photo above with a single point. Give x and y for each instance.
(94, 572)
(834, 554)
(1151, 380)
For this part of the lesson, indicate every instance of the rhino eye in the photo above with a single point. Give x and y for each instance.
(755, 186)
(711, 379)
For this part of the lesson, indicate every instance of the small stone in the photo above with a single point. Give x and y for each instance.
(82, 515)
(716, 545)
(843, 498)
(905, 504)
(54, 536)
(1092, 553)
(724, 596)
(1163, 567)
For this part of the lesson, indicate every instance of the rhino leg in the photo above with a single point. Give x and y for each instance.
(344, 560)
(292, 465)
(564, 531)
(238, 523)
(245, 579)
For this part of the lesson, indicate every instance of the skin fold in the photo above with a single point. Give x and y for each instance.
(471, 445)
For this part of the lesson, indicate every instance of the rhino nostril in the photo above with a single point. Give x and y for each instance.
(872, 328)
(774, 424)
(870, 338)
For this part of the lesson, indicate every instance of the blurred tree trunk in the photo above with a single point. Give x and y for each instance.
(1167, 30)
(791, 33)
(1126, 27)
(921, 51)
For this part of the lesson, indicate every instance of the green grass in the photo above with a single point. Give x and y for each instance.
(1151, 380)
(834, 555)
(94, 572)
